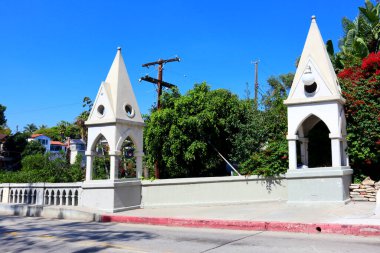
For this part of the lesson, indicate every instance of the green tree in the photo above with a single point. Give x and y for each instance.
(361, 88)
(80, 123)
(15, 145)
(76, 172)
(3, 120)
(52, 132)
(30, 128)
(32, 148)
(3, 126)
(361, 37)
(261, 144)
(181, 134)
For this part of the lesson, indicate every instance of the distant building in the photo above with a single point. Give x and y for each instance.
(56, 147)
(4, 156)
(76, 146)
(3, 137)
(53, 147)
(43, 139)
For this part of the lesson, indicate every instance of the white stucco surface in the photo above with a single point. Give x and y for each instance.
(215, 190)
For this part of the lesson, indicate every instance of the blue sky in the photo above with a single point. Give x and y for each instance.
(54, 53)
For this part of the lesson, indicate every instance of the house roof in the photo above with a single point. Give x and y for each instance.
(35, 135)
(3, 136)
(57, 143)
(76, 141)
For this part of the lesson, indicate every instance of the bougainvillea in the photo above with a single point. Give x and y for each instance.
(361, 88)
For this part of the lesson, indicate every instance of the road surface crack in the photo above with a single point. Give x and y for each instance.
(224, 244)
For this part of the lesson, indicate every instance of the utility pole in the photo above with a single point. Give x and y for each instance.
(256, 82)
(160, 83)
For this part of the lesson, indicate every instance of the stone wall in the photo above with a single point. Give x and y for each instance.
(365, 191)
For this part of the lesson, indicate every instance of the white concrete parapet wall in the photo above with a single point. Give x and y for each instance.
(57, 194)
(212, 190)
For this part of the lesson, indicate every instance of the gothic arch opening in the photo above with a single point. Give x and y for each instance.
(314, 144)
(101, 163)
(319, 146)
(127, 161)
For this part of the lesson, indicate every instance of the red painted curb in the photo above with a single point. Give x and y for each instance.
(359, 230)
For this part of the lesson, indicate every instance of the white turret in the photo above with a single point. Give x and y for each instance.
(315, 79)
(115, 101)
(319, 171)
(115, 116)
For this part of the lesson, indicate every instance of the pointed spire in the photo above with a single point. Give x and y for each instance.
(316, 58)
(118, 93)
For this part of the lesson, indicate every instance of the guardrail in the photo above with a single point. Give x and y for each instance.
(53, 194)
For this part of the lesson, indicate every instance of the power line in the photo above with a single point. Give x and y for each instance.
(46, 108)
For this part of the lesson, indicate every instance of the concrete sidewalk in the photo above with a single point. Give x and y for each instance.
(355, 218)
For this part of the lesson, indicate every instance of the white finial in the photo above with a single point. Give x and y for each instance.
(119, 48)
(313, 18)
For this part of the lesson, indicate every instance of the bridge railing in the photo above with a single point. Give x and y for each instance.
(54, 194)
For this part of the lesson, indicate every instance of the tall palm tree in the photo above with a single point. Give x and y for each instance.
(62, 127)
(361, 37)
(362, 34)
(30, 128)
(370, 27)
(79, 121)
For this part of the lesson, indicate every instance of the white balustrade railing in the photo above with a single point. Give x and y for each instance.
(54, 194)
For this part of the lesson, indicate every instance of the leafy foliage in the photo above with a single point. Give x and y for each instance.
(30, 128)
(101, 168)
(3, 126)
(261, 144)
(361, 88)
(32, 148)
(14, 146)
(361, 37)
(179, 135)
(41, 168)
(3, 120)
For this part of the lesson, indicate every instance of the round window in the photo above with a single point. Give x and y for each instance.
(129, 110)
(100, 110)
(311, 88)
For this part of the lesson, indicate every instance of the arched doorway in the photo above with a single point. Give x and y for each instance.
(101, 163)
(319, 146)
(314, 144)
(127, 161)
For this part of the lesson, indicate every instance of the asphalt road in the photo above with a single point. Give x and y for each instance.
(20, 234)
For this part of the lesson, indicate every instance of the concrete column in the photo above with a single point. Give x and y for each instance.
(304, 146)
(345, 157)
(114, 164)
(139, 169)
(6, 197)
(113, 169)
(336, 159)
(40, 200)
(377, 210)
(89, 164)
(292, 143)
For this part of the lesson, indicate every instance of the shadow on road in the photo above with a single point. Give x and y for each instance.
(21, 234)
